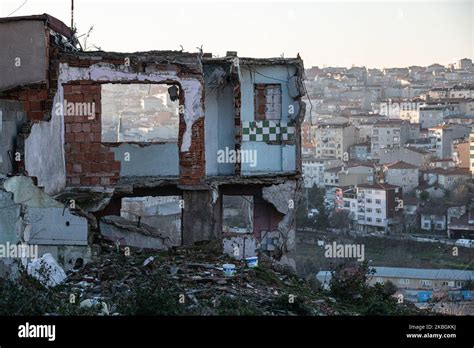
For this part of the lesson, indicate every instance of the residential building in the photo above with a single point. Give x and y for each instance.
(359, 152)
(355, 174)
(333, 140)
(220, 106)
(461, 153)
(433, 115)
(388, 135)
(375, 208)
(314, 168)
(471, 152)
(446, 178)
(402, 174)
(421, 278)
(410, 214)
(464, 64)
(444, 136)
(413, 155)
(463, 226)
(411, 278)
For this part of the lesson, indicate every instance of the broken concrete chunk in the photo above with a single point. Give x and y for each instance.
(47, 271)
(280, 195)
(127, 233)
(25, 192)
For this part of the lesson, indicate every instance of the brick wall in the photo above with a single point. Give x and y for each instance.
(36, 103)
(192, 163)
(88, 162)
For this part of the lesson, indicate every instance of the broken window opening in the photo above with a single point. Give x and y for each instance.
(164, 213)
(267, 102)
(237, 214)
(140, 113)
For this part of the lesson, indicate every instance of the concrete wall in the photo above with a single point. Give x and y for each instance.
(9, 218)
(151, 160)
(219, 127)
(11, 119)
(25, 40)
(44, 151)
(270, 157)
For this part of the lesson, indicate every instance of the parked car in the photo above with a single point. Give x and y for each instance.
(467, 243)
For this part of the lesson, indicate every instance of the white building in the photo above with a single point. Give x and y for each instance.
(333, 140)
(313, 170)
(375, 208)
(444, 136)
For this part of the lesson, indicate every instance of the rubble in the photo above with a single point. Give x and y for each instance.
(47, 271)
(189, 281)
(128, 233)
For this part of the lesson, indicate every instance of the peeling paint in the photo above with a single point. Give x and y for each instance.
(106, 72)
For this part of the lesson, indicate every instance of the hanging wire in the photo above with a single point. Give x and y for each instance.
(18, 8)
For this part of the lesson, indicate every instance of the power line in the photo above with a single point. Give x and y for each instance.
(18, 8)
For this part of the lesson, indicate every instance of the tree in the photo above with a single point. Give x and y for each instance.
(340, 219)
(424, 196)
(460, 194)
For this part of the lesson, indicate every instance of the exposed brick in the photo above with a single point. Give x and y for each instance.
(95, 167)
(76, 127)
(77, 168)
(79, 137)
(96, 128)
(86, 127)
(116, 166)
(85, 181)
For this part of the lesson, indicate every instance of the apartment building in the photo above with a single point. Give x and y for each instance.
(314, 169)
(409, 154)
(402, 174)
(332, 140)
(433, 115)
(446, 178)
(388, 135)
(444, 136)
(375, 208)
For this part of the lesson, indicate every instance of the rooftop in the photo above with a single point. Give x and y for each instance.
(379, 186)
(401, 165)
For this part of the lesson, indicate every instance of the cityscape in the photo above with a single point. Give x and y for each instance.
(208, 167)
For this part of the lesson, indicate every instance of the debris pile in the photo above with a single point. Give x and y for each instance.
(189, 281)
(196, 280)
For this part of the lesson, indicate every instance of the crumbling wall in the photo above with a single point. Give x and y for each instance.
(23, 58)
(191, 130)
(44, 154)
(284, 198)
(89, 162)
(274, 141)
(29, 215)
(11, 119)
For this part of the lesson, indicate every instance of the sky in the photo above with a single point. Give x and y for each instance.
(372, 33)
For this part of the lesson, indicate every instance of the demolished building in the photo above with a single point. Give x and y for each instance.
(83, 134)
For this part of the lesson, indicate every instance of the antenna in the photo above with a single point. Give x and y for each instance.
(72, 14)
